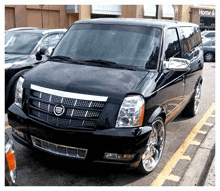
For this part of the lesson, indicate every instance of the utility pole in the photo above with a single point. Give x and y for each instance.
(42, 24)
(156, 11)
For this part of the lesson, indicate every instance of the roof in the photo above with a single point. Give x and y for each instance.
(22, 28)
(36, 30)
(136, 22)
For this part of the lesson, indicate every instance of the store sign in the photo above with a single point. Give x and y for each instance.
(206, 13)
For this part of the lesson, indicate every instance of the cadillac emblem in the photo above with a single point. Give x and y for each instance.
(59, 110)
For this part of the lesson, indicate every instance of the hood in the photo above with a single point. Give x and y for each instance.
(12, 58)
(19, 60)
(84, 79)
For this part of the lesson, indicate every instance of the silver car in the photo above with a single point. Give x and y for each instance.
(208, 34)
(209, 50)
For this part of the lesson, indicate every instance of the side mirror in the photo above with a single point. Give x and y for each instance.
(177, 64)
(44, 51)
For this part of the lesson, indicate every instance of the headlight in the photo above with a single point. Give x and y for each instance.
(131, 113)
(19, 92)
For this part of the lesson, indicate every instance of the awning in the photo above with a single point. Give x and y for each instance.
(150, 10)
(168, 11)
(72, 9)
(106, 9)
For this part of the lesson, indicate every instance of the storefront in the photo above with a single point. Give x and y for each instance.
(204, 17)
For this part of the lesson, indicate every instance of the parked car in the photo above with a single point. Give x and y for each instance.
(108, 90)
(21, 45)
(10, 163)
(208, 34)
(209, 50)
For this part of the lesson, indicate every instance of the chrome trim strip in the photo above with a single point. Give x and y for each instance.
(69, 94)
(169, 83)
(90, 104)
(72, 112)
(63, 146)
(180, 103)
(86, 113)
(75, 103)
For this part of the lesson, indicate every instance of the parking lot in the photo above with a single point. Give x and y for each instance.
(183, 138)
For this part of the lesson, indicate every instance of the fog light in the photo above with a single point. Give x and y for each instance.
(128, 156)
(115, 156)
(19, 133)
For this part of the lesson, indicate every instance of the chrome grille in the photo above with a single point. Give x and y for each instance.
(78, 113)
(59, 149)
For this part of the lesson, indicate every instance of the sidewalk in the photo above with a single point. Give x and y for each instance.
(201, 171)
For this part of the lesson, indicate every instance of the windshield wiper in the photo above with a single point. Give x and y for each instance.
(109, 63)
(65, 58)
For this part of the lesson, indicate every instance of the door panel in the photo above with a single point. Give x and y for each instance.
(192, 50)
(173, 87)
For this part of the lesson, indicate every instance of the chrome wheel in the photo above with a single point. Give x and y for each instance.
(209, 56)
(154, 148)
(197, 98)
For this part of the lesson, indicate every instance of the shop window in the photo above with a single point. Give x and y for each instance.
(205, 21)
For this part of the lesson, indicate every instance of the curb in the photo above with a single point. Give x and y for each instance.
(210, 179)
(199, 169)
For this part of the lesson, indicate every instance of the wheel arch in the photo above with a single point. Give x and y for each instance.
(199, 81)
(159, 111)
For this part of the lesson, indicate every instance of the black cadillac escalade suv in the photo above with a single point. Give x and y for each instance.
(108, 90)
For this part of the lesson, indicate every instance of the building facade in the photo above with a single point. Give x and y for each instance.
(62, 16)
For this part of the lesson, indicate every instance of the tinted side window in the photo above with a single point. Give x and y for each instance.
(172, 44)
(209, 43)
(210, 34)
(50, 41)
(191, 39)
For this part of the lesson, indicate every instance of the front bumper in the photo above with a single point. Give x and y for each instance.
(96, 142)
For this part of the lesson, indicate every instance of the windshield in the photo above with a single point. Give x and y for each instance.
(21, 42)
(126, 45)
(203, 33)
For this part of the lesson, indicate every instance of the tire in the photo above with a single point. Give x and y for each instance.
(154, 147)
(209, 56)
(193, 106)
